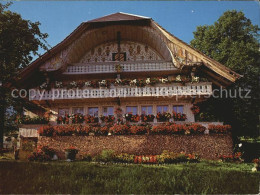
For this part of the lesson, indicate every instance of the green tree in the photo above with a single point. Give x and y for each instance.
(234, 41)
(20, 39)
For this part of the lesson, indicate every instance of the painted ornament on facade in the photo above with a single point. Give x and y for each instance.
(134, 52)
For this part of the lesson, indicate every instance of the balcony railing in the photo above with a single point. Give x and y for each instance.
(110, 67)
(199, 89)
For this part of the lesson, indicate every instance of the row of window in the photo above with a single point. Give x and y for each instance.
(107, 111)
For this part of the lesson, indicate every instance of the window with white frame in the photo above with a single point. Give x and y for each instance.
(131, 109)
(63, 111)
(162, 109)
(93, 111)
(108, 111)
(78, 110)
(178, 109)
(147, 110)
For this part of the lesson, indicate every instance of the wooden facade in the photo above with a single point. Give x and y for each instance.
(116, 48)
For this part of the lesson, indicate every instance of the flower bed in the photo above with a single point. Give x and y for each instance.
(178, 129)
(231, 158)
(44, 153)
(219, 128)
(126, 129)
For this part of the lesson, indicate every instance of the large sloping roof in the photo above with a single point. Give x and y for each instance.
(167, 39)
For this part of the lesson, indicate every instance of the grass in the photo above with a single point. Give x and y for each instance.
(92, 178)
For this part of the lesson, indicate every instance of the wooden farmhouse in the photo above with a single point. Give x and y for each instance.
(119, 68)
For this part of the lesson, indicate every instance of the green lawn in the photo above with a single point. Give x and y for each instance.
(84, 177)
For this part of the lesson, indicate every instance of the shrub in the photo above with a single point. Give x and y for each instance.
(28, 145)
(34, 120)
(39, 156)
(86, 157)
(125, 158)
(171, 157)
(219, 128)
(106, 156)
(48, 151)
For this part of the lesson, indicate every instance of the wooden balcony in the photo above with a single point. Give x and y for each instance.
(167, 90)
(110, 67)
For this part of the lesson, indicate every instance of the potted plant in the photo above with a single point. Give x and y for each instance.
(163, 117)
(70, 153)
(147, 118)
(179, 116)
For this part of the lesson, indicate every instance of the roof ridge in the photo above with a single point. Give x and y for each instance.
(118, 16)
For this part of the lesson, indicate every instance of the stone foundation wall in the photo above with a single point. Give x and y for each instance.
(205, 145)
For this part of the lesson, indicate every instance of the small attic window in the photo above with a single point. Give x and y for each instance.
(121, 57)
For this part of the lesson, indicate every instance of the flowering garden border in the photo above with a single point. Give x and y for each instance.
(126, 129)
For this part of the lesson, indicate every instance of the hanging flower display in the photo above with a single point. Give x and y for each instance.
(178, 78)
(195, 79)
(103, 83)
(195, 109)
(58, 84)
(148, 81)
(88, 83)
(44, 86)
(72, 84)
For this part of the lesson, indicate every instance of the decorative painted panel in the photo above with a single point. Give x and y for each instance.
(134, 52)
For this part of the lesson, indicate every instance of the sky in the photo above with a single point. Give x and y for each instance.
(60, 18)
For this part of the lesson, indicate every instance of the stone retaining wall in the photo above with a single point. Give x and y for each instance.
(205, 145)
